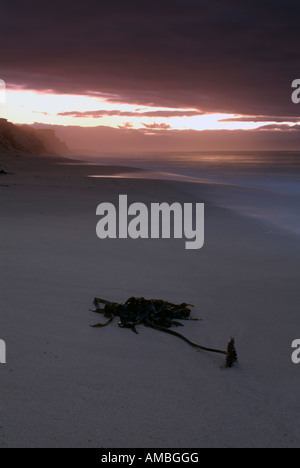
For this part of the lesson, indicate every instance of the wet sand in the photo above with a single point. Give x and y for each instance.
(68, 385)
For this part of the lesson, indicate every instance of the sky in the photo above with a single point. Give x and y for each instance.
(164, 68)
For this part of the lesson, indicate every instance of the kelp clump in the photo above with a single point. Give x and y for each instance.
(157, 314)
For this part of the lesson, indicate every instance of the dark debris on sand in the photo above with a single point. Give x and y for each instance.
(157, 314)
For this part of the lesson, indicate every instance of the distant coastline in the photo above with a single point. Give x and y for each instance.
(24, 139)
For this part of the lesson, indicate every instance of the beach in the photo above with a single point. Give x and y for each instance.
(68, 385)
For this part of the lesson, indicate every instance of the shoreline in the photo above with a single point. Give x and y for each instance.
(278, 211)
(67, 385)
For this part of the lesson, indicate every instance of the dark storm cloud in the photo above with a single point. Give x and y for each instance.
(262, 118)
(154, 126)
(224, 56)
(105, 140)
(281, 128)
(126, 126)
(102, 113)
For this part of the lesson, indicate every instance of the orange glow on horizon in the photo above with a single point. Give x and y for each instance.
(28, 107)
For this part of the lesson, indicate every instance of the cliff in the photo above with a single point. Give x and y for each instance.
(23, 139)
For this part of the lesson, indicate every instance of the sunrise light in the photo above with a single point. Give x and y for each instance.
(29, 106)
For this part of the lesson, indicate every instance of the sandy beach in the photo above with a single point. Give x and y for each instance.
(68, 385)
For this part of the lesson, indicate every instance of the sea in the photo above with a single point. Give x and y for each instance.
(264, 185)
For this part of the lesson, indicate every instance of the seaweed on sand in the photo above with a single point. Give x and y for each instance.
(157, 314)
